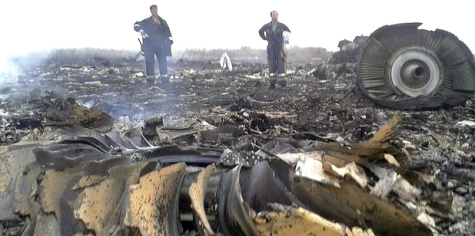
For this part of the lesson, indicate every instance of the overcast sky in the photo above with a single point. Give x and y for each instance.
(44, 24)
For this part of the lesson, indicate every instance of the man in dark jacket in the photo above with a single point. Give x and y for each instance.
(156, 37)
(273, 33)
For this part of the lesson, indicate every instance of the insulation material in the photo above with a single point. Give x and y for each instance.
(102, 195)
(197, 195)
(153, 202)
(285, 220)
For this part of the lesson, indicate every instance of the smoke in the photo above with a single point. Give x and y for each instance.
(8, 71)
(17, 65)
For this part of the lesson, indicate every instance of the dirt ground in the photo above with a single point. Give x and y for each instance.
(327, 107)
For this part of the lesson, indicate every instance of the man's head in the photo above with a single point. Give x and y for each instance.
(154, 10)
(274, 15)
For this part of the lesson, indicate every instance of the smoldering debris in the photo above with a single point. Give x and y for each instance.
(220, 153)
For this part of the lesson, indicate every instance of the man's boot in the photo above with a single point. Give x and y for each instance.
(164, 79)
(150, 80)
(272, 83)
(272, 80)
(282, 81)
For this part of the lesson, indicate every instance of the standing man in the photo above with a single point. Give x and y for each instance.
(273, 33)
(157, 41)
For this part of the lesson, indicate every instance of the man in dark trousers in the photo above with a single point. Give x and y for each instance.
(273, 33)
(157, 41)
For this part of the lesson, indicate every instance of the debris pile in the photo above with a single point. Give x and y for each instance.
(221, 153)
(118, 184)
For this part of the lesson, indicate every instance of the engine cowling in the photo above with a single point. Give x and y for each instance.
(404, 67)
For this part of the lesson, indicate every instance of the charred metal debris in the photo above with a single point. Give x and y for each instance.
(120, 183)
(92, 150)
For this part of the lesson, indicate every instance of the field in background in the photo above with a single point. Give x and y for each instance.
(246, 54)
(296, 55)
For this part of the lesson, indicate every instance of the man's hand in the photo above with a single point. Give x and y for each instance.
(142, 32)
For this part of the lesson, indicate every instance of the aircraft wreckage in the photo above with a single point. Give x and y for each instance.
(93, 175)
(120, 183)
(404, 67)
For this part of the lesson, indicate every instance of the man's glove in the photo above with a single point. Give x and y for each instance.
(142, 32)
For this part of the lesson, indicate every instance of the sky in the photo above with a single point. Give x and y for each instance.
(35, 25)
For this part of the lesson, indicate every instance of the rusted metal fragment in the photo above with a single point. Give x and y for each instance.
(197, 194)
(153, 203)
(287, 220)
(57, 197)
(382, 217)
(102, 194)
